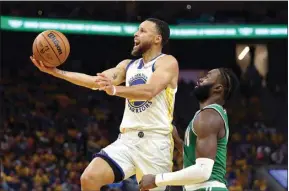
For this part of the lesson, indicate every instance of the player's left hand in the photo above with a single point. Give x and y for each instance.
(105, 84)
(147, 182)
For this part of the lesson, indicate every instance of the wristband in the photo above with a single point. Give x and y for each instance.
(114, 90)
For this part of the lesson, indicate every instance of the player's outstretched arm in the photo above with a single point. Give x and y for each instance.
(166, 69)
(116, 74)
(206, 126)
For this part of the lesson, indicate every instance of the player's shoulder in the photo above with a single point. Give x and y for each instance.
(170, 58)
(167, 61)
(124, 63)
(209, 120)
(210, 115)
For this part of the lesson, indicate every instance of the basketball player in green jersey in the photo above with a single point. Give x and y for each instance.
(206, 138)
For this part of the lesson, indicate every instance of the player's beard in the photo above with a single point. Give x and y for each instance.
(202, 93)
(141, 49)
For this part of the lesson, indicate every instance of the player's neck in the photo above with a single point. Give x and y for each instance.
(151, 54)
(212, 100)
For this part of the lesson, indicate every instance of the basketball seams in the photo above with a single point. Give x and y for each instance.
(39, 52)
(61, 48)
(51, 48)
(63, 44)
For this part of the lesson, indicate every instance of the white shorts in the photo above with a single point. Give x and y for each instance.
(137, 155)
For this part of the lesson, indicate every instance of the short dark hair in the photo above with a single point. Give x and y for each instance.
(230, 82)
(163, 28)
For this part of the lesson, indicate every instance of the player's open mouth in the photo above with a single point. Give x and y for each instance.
(136, 43)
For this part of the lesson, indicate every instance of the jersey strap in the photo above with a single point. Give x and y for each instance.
(130, 63)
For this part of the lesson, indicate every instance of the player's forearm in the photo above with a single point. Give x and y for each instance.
(138, 92)
(77, 78)
(178, 141)
(198, 173)
(116, 75)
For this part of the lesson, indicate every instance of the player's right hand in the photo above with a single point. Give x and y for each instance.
(42, 67)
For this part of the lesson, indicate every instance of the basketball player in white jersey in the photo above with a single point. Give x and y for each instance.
(145, 143)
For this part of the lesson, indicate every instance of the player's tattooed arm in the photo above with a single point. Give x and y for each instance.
(117, 74)
(76, 78)
(114, 76)
(62, 72)
(166, 69)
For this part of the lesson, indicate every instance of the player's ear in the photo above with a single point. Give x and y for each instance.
(218, 88)
(158, 39)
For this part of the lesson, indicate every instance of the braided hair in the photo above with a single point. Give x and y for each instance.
(230, 82)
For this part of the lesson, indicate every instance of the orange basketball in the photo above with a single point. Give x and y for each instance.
(51, 47)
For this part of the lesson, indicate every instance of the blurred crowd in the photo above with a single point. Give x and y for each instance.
(51, 129)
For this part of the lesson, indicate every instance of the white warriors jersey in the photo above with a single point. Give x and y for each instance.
(154, 115)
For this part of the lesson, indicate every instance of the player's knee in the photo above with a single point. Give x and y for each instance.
(90, 180)
(86, 177)
(97, 174)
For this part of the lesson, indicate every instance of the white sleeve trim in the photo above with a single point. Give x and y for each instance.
(198, 173)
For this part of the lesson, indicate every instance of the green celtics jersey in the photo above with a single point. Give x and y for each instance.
(219, 169)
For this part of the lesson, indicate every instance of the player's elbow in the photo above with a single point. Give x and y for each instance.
(205, 176)
(150, 92)
(154, 90)
(206, 173)
(205, 168)
(147, 96)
